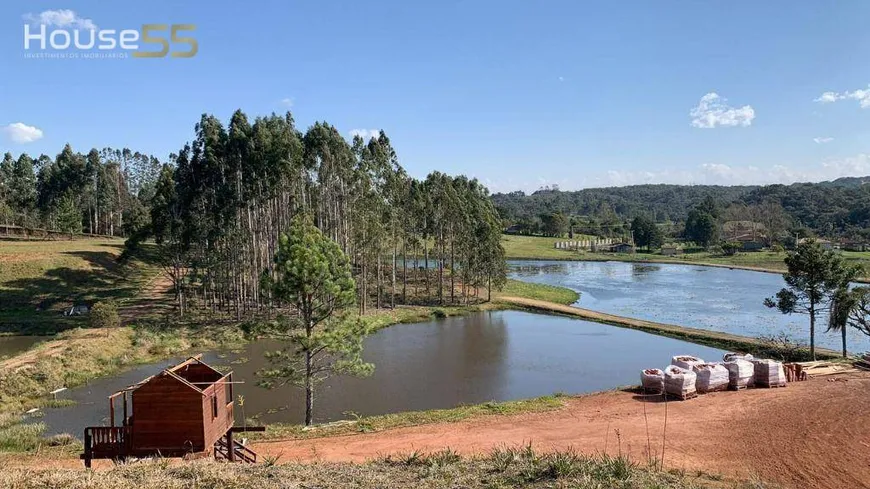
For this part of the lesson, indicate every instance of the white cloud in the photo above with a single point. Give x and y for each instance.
(713, 111)
(365, 133)
(61, 18)
(822, 140)
(287, 102)
(21, 133)
(712, 173)
(862, 96)
(561, 78)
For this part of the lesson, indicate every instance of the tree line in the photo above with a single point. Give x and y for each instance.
(102, 192)
(836, 209)
(219, 208)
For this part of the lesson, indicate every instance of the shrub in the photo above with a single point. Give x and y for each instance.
(731, 248)
(105, 315)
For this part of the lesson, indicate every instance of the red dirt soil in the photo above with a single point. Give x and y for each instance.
(813, 434)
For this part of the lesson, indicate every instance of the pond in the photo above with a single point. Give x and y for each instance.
(442, 363)
(713, 298)
(13, 345)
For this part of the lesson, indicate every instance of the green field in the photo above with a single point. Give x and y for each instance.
(537, 247)
(541, 292)
(39, 279)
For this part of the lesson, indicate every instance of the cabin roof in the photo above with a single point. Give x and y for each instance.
(178, 372)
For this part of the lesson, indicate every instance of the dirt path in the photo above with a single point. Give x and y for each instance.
(154, 296)
(810, 434)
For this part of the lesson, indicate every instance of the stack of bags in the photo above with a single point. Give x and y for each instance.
(741, 373)
(711, 377)
(738, 356)
(769, 373)
(680, 382)
(652, 380)
(686, 361)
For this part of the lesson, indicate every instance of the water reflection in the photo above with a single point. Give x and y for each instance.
(718, 299)
(443, 363)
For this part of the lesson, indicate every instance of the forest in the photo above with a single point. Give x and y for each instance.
(839, 208)
(216, 209)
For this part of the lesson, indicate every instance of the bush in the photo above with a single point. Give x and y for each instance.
(731, 248)
(105, 315)
(777, 248)
(781, 347)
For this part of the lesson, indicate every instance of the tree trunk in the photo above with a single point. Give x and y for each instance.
(845, 354)
(309, 391)
(813, 331)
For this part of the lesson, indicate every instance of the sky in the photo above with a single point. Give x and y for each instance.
(518, 94)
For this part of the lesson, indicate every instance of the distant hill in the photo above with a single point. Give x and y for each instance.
(828, 208)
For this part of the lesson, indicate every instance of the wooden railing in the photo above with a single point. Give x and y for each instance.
(106, 442)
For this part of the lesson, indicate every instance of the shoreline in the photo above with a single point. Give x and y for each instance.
(222, 337)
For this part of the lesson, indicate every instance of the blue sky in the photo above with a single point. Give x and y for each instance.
(518, 94)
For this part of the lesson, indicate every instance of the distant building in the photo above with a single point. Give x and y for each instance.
(824, 243)
(750, 242)
(671, 251)
(853, 245)
(622, 248)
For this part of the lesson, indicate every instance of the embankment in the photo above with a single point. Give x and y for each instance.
(701, 336)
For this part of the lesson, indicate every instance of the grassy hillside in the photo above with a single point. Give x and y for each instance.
(531, 247)
(41, 278)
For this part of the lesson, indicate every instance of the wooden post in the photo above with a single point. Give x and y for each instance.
(124, 421)
(231, 449)
(87, 448)
(112, 411)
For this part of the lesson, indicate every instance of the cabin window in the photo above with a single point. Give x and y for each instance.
(228, 388)
(214, 407)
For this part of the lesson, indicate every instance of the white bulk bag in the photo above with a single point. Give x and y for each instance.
(769, 373)
(679, 381)
(741, 373)
(711, 377)
(729, 357)
(652, 380)
(686, 361)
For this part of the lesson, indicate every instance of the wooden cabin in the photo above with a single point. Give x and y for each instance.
(184, 411)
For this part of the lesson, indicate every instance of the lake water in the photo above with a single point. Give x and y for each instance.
(13, 345)
(442, 363)
(713, 298)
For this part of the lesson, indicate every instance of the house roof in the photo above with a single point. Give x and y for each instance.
(174, 373)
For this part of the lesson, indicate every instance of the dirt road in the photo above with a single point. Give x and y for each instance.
(813, 434)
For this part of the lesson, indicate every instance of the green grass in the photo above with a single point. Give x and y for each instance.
(507, 467)
(412, 418)
(537, 247)
(41, 278)
(542, 292)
